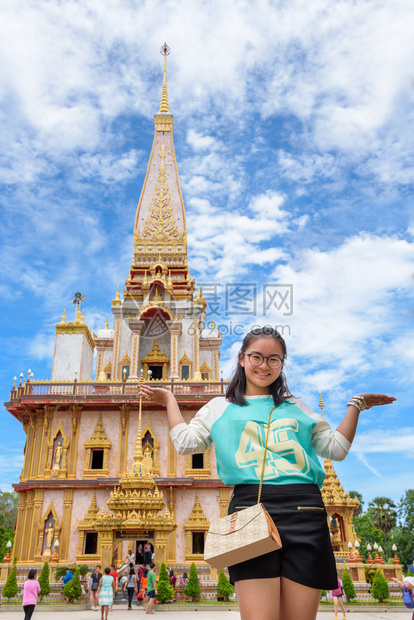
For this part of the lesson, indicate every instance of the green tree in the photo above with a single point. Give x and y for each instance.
(358, 512)
(10, 588)
(224, 587)
(347, 585)
(165, 591)
(367, 533)
(380, 588)
(193, 586)
(6, 534)
(383, 513)
(403, 538)
(83, 570)
(44, 581)
(9, 503)
(73, 589)
(406, 509)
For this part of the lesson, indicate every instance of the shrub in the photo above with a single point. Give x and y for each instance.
(10, 588)
(348, 585)
(83, 570)
(165, 591)
(380, 588)
(193, 586)
(73, 589)
(224, 587)
(44, 581)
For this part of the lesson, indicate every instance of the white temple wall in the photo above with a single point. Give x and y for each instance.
(68, 354)
(87, 361)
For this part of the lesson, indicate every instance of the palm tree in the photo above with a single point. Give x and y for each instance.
(383, 514)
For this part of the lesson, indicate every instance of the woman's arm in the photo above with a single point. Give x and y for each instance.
(165, 398)
(99, 587)
(348, 426)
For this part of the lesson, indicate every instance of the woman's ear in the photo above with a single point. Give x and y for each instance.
(241, 359)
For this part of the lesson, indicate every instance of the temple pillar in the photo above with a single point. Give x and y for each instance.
(160, 544)
(65, 529)
(73, 443)
(105, 551)
(175, 328)
(123, 439)
(197, 373)
(137, 327)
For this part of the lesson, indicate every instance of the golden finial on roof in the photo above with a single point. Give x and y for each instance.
(321, 403)
(63, 319)
(212, 322)
(164, 107)
(82, 319)
(145, 280)
(117, 300)
(157, 295)
(78, 314)
(106, 323)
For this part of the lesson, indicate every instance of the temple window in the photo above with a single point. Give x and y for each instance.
(197, 461)
(91, 543)
(198, 465)
(156, 371)
(205, 371)
(97, 459)
(185, 368)
(185, 372)
(198, 543)
(97, 453)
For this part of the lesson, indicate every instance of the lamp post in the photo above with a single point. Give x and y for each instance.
(351, 557)
(396, 560)
(55, 556)
(8, 558)
(377, 558)
(381, 551)
(358, 555)
(370, 560)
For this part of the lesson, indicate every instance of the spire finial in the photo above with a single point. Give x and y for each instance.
(63, 319)
(106, 323)
(321, 403)
(164, 107)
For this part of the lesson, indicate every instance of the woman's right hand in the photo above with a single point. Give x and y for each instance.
(156, 395)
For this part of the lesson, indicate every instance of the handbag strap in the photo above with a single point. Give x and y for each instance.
(264, 456)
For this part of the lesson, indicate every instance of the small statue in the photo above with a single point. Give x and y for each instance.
(147, 463)
(58, 455)
(49, 537)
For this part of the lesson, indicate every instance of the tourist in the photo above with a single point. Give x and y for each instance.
(114, 574)
(152, 588)
(147, 553)
(131, 557)
(94, 585)
(144, 583)
(130, 586)
(140, 574)
(286, 583)
(172, 578)
(408, 582)
(106, 591)
(337, 595)
(183, 580)
(68, 576)
(31, 590)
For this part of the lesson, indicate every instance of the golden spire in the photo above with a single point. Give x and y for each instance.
(106, 323)
(321, 403)
(117, 300)
(138, 454)
(164, 107)
(63, 319)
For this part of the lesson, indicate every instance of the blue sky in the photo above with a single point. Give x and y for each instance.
(294, 127)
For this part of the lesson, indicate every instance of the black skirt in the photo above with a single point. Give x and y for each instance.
(299, 513)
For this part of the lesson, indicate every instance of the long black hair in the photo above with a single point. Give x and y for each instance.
(237, 386)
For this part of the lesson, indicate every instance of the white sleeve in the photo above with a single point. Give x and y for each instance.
(195, 436)
(327, 444)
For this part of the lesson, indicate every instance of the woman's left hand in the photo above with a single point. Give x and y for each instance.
(376, 400)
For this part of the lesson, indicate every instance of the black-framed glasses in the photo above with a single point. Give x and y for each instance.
(257, 358)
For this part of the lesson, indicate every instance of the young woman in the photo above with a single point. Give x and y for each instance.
(337, 596)
(131, 585)
(106, 591)
(31, 590)
(93, 582)
(286, 583)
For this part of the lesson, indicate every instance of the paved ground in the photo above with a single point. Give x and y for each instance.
(121, 613)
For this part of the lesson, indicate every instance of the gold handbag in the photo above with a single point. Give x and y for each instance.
(245, 534)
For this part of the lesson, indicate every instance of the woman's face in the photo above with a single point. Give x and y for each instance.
(258, 378)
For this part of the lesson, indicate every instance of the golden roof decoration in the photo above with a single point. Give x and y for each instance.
(197, 519)
(160, 225)
(333, 493)
(90, 516)
(98, 438)
(155, 355)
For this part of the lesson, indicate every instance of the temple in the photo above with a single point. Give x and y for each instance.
(100, 474)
